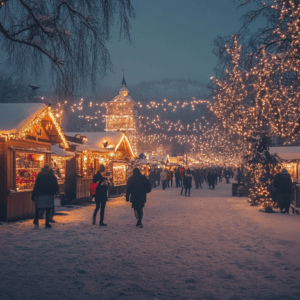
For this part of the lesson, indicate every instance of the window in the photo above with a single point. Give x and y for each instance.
(27, 167)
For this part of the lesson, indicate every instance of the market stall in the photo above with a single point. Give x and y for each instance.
(59, 159)
(290, 156)
(27, 131)
(92, 149)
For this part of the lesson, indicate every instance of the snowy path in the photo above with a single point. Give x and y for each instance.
(208, 246)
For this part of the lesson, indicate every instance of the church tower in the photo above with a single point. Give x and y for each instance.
(121, 115)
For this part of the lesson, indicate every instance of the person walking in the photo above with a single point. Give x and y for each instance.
(188, 182)
(220, 171)
(45, 188)
(172, 175)
(101, 194)
(163, 178)
(137, 187)
(211, 180)
(227, 175)
(283, 185)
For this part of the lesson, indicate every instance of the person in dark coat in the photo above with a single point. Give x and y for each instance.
(197, 178)
(172, 175)
(188, 182)
(227, 175)
(283, 185)
(137, 188)
(45, 188)
(211, 180)
(101, 194)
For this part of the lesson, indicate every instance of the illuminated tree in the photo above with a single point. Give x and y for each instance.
(259, 94)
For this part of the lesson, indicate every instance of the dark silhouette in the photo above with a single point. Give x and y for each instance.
(45, 188)
(137, 188)
(101, 194)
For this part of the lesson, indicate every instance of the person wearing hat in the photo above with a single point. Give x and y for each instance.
(101, 194)
(137, 187)
(283, 189)
(45, 188)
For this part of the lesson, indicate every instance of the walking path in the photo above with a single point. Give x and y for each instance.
(207, 246)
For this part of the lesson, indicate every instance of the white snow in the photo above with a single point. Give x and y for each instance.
(207, 246)
(56, 150)
(14, 116)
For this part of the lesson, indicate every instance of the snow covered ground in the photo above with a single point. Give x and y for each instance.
(208, 246)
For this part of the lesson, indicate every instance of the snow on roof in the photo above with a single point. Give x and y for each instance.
(14, 116)
(159, 157)
(288, 153)
(96, 140)
(56, 150)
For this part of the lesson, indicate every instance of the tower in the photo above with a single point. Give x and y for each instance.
(121, 115)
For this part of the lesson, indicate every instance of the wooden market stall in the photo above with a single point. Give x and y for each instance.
(290, 156)
(27, 131)
(92, 149)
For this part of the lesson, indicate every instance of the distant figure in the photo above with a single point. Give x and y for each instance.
(137, 188)
(283, 185)
(197, 178)
(101, 194)
(45, 188)
(227, 175)
(172, 175)
(168, 178)
(220, 171)
(187, 182)
(177, 177)
(211, 180)
(163, 179)
(239, 176)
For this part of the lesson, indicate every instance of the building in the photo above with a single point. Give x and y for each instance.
(27, 132)
(121, 115)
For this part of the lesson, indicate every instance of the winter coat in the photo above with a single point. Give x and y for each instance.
(45, 184)
(163, 176)
(283, 184)
(137, 187)
(101, 190)
(187, 180)
(210, 178)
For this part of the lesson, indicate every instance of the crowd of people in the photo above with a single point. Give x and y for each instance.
(139, 185)
(184, 177)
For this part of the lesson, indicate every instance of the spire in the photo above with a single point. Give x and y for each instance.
(123, 81)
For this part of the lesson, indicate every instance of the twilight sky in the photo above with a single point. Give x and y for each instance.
(172, 39)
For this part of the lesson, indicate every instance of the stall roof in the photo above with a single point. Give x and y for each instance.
(290, 153)
(96, 141)
(56, 150)
(15, 116)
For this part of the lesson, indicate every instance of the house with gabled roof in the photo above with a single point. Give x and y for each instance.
(27, 131)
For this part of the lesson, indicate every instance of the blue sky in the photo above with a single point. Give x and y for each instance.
(172, 39)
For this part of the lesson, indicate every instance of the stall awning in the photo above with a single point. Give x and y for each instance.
(56, 150)
(101, 141)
